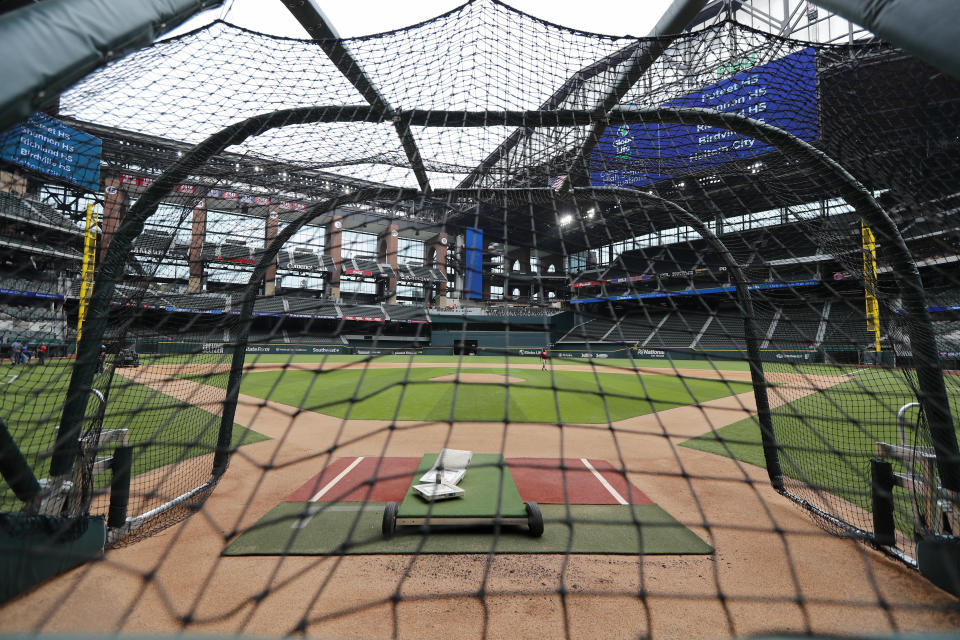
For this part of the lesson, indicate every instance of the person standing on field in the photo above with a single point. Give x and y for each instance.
(41, 354)
(15, 349)
(544, 354)
(102, 358)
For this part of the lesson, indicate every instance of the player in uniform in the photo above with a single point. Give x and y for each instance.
(544, 354)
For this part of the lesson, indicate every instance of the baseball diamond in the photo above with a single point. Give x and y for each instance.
(479, 320)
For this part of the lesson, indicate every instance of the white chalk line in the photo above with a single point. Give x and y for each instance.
(616, 495)
(308, 516)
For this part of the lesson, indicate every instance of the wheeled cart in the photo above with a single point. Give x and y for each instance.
(490, 498)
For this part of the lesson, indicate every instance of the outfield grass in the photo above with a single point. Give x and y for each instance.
(829, 437)
(162, 429)
(409, 394)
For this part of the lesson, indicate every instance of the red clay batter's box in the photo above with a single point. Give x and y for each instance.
(541, 480)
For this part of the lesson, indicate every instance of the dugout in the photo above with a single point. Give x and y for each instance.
(464, 347)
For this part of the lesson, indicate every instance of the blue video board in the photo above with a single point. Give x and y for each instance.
(473, 280)
(46, 145)
(782, 93)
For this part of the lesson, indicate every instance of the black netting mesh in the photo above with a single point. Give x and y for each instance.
(661, 273)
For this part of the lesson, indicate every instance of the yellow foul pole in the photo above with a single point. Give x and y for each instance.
(86, 274)
(870, 283)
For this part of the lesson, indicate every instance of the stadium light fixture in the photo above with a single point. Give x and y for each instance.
(565, 220)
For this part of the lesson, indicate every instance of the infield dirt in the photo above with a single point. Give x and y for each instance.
(777, 571)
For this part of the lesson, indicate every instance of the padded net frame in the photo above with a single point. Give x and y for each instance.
(759, 228)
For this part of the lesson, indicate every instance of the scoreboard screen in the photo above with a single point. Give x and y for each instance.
(782, 93)
(48, 146)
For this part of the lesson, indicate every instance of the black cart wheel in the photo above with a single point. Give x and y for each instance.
(390, 519)
(534, 519)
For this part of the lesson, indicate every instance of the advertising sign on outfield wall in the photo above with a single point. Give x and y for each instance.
(220, 347)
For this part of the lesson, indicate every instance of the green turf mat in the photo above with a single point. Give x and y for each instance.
(487, 472)
(599, 529)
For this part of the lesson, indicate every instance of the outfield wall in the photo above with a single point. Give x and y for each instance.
(583, 350)
(222, 347)
(565, 351)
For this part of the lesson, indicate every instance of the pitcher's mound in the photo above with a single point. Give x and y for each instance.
(477, 377)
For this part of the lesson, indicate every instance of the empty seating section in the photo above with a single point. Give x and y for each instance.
(416, 273)
(366, 268)
(943, 299)
(48, 287)
(363, 311)
(724, 332)
(301, 259)
(636, 326)
(153, 243)
(948, 335)
(402, 312)
(269, 305)
(846, 326)
(209, 251)
(679, 330)
(31, 324)
(312, 307)
(797, 328)
(12, 206)
(588, 330)
(43, 245)
(198, 301)
(274, 334)
(312, 339)
(232, 252)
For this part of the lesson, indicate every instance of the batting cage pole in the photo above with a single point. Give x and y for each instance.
(15, 470)
(932, 389)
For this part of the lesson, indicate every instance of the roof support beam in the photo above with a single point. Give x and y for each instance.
(677, 17)
(572, 83)
(671, 24)
(309, 15)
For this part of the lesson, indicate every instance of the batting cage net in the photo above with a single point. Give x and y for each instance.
(645, 294)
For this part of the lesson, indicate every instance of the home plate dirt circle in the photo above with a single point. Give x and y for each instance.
(477, 377)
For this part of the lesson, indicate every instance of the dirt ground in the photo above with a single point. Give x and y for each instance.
(467, 378)
(773, 569)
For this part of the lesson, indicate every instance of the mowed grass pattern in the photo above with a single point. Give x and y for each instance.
(542, 396)
(828, 438)
(162, 429)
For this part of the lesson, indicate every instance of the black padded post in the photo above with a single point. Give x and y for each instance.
(884, 530)
(120, 467)
(14, 468)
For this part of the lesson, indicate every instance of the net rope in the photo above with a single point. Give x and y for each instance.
(397, 320)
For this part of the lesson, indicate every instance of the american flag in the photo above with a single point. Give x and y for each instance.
(557, 183)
